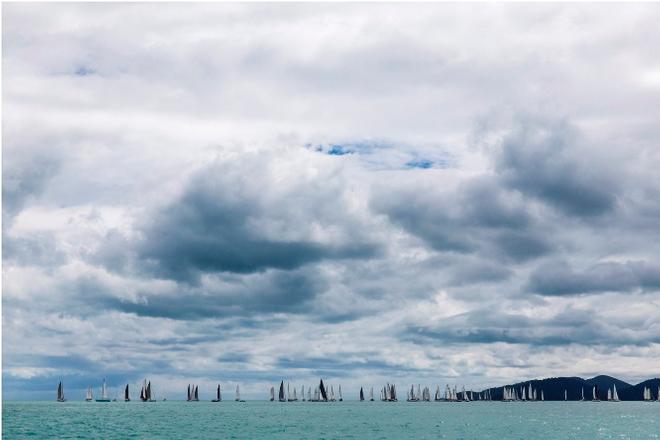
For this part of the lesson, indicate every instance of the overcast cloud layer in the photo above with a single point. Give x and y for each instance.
(246, 193)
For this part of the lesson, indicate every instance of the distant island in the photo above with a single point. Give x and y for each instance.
(553, 388)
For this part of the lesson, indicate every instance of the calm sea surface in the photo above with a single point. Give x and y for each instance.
(339, 420)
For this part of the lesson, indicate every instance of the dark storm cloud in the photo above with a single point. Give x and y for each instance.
(542, 159)
(558, 278)
(272, 292)
(467, 272)
(217, 225)
(564, 328)
(479, 217)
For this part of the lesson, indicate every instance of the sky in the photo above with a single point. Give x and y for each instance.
(365, 193)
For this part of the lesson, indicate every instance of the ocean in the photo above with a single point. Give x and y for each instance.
(337, 420)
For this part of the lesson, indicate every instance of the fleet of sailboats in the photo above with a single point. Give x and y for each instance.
(326, 393)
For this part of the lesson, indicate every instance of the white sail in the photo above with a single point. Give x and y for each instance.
(104, 391)
(90, 394)
(238, 393)
(565, 395)
(371, 393)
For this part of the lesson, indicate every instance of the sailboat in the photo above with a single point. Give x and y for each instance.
(272, 394)
(647, 394)
(322, 390)
(595, 394)
(60, 393)
(104, 393)
(582, 399)
(238, 395)
(145, 392)
(127, 395)
(361, 395)
(302, 393)
(90, 395)
(295, 396)
(341, 399)
(281, 396)
(371, 394)
(218, 395)
(565, 395)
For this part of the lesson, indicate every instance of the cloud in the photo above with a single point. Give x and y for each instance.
(23, 180)
(558, 278)
(477, 216)
(226, 221)
(226, 192)
(267, 293)
(544, 159)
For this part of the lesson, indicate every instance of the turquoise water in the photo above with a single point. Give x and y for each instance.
(338, 420)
